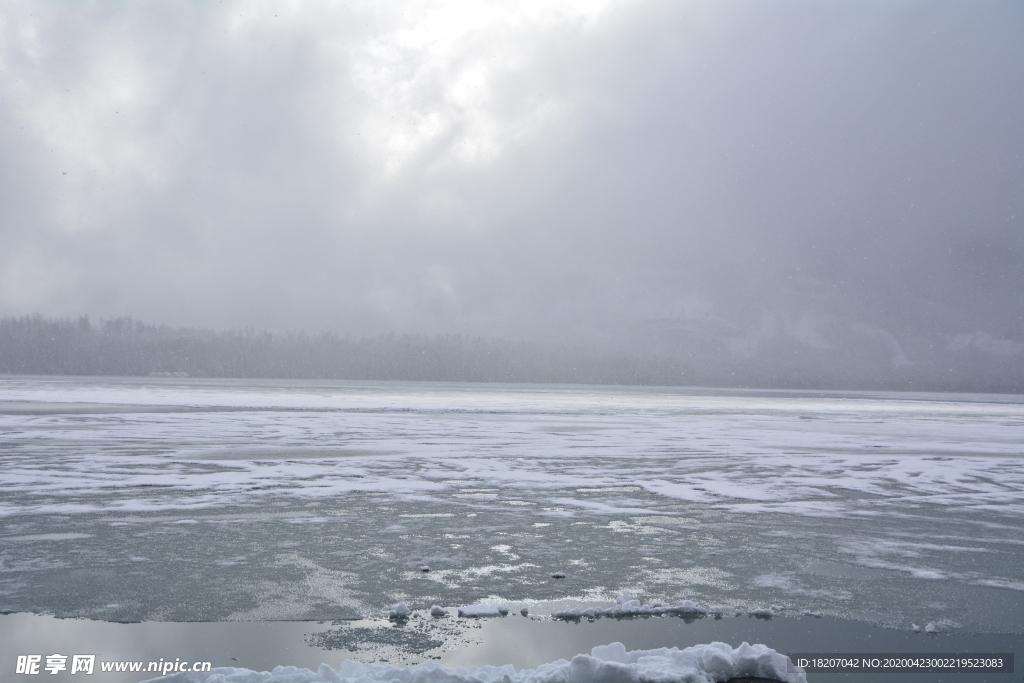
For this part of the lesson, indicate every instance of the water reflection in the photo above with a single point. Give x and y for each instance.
(523, 642)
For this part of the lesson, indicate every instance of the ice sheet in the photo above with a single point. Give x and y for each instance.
(314, 500)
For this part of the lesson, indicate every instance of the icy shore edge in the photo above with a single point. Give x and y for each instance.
(711, 663)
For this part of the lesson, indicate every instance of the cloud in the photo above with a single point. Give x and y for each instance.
(986, 343)
(639, 174)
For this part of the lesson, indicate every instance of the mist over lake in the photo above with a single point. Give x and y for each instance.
(801, 193)
(126, 347)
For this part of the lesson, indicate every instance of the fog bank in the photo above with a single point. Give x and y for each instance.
(795, 190)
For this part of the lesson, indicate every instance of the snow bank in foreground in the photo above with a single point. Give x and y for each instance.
(605, 664)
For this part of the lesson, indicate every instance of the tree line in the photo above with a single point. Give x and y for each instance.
(38, 345)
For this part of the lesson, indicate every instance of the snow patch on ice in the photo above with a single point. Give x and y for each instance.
(793, 586)
(476, 611)
(941, 626)
(626, 605)
(1000, 583)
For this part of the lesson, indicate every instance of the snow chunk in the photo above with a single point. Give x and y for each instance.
(689, 607)
(605, 664)
(424, 568)
(626, 606)
(438, 611)
(399, 611)
(941, 626)
(558, 575)
(482, 611)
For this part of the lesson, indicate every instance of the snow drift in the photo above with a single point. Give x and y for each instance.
(711, 663)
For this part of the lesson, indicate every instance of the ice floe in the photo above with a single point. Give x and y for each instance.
(710, 663)
(483, 611)
(626, 606)
(736, 441)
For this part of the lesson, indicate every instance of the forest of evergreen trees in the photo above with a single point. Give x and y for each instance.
(37, 345)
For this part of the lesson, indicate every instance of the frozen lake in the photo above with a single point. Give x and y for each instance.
(167, 499)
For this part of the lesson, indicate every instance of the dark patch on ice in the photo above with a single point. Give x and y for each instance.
(357, 638)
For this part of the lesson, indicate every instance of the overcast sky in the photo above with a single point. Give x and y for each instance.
(578, 170)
